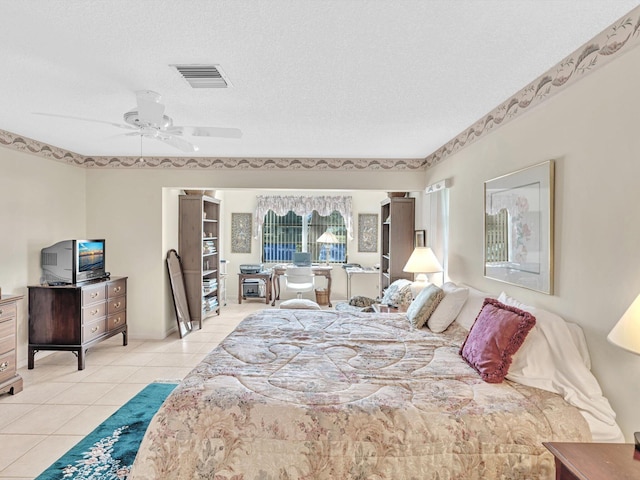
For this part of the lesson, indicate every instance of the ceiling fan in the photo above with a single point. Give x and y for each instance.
(147, 119)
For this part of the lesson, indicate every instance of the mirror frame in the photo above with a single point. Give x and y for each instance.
(180, 302)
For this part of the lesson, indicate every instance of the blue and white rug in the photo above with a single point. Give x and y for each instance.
(108, 452)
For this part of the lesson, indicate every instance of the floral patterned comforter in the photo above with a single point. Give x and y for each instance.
(302, 394)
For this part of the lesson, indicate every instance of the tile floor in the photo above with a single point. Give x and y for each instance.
(60, 404)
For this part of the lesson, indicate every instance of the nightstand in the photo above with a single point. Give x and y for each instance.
(379, 308)
(595, 461)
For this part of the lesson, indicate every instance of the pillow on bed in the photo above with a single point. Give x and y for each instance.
(424, 305)
(555, 358)
(496, 335)
(472, 307)
(448, 308)
(548, 324)
(398, 293)
(300, 304)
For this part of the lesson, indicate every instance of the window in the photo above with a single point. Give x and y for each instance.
(282, 235)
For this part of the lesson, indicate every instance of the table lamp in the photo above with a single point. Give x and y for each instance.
(422, 261)
(626, 334)
(327, 238)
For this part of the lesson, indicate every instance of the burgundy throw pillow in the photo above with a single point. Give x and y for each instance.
(496, 335)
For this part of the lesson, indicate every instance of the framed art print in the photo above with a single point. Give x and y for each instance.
(518, 227)
(368, 232)
(240, 233)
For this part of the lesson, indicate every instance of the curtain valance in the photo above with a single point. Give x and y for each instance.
(303, 206)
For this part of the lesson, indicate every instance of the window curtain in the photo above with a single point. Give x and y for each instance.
(303, 206)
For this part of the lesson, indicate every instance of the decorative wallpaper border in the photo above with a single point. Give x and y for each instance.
(29, 145)
(617, 39)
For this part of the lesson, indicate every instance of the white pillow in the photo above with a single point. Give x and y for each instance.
(448, 308)
(549, 359)
(471, 307)
(300, 303)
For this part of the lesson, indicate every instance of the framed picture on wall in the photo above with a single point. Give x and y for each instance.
(420, 238)
(368, 232)
(518, 227)
(240, 233)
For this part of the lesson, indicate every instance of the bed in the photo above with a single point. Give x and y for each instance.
(308, 394)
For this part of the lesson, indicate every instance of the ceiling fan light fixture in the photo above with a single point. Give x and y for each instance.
(132, 117)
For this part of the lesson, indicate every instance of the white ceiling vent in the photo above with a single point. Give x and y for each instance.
(203, 76)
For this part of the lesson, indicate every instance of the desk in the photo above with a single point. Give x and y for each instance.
(595, 461)
(266, 276)
(318, 271)
(357, 271)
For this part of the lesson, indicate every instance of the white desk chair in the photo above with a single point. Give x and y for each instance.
(299, 279)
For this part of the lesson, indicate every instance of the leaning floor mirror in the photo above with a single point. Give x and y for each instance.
(174, 267)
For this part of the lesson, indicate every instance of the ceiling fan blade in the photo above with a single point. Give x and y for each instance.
(178, 143)
(174, 130)
(119, 125)
(215, 132)
(150, 110)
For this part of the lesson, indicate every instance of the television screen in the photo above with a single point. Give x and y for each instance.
(90, 255)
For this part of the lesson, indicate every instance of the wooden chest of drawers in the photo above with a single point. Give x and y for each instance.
(75, 317)
(10, 381)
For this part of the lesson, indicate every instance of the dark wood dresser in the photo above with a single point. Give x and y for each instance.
(10, 380)
(595, 461)
(75, 317)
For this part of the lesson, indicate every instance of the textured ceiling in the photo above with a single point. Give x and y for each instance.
(333, 79)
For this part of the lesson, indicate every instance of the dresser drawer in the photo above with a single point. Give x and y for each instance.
(7, 365)
(8, 312)
(115, 305)
(7, 335)
(117, 288)
(116, 320)
(93, 294)
(93, 312)
(94, 330)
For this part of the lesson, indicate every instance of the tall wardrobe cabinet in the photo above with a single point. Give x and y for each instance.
(397, 236)
(199, 231)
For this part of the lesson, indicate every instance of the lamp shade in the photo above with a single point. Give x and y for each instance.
(327, 237)
(422, 260)
(626, 333)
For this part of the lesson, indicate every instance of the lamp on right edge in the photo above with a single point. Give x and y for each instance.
(626, 334)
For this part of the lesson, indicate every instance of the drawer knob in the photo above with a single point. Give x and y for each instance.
(4, 366)
(117, 289)
(116, 305)
(95, 294)
(95, 312)
(95, 329)
(116, 321)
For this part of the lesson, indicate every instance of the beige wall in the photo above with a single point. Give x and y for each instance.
(42, 202)
(591, 130)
